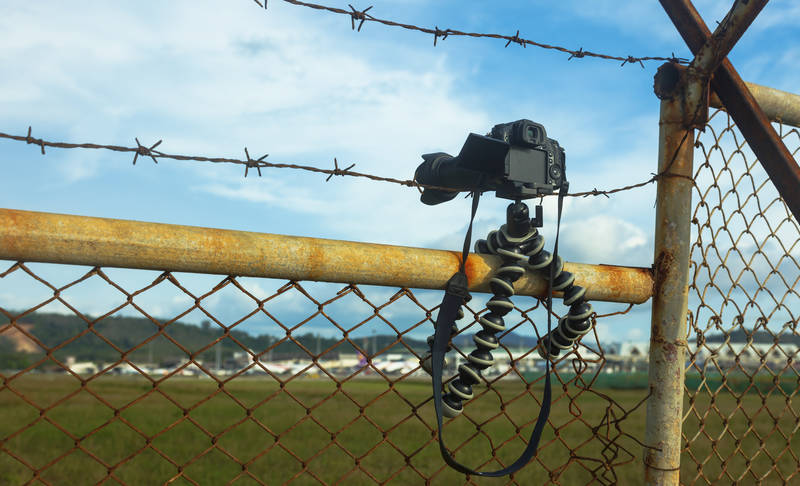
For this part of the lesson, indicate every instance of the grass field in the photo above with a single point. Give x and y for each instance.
(203, 461)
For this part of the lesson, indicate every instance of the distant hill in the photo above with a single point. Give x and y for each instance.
(95, 343)
(511, 341)
(758, 337)
(19, 351)
(19, 340)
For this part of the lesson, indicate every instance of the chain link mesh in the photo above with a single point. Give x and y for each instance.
(288, 406)
(742, 414)
(321, 398)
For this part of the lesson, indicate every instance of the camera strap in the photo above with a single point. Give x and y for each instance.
(455, 294)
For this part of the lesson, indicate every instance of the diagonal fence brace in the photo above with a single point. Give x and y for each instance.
(776, 159)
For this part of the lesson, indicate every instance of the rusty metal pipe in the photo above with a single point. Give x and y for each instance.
(776, 159)
(779, 106)
(80, 240)
(670, 298)
(727, 34)
(711, 54)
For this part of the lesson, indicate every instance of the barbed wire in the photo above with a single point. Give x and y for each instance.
(361, 16)
(248, 162)
(144, 151)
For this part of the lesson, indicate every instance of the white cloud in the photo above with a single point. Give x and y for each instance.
(778, 13)
(650, 17)
(286, 83)
(649, 20)
(604, 331)
(606, 239)
(241, 75)
(276, 82)
(272, 193)
(635, 334)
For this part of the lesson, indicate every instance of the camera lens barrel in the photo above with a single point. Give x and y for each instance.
(430, 173)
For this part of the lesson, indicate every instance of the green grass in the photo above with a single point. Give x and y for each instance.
(300, 424)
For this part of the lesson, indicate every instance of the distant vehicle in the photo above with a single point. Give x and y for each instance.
(282, 367)
(396, 364)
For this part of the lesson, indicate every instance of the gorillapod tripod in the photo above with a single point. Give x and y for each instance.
(521, 247)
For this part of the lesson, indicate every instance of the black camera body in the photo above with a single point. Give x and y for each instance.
(515, 159)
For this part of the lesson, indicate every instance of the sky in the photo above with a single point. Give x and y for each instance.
(213, 77)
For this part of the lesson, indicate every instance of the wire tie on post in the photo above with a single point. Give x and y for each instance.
(145, 151)
(358, 15)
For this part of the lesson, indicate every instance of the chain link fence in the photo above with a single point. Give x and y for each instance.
(141, 377)
(742, 413)
(277, 382)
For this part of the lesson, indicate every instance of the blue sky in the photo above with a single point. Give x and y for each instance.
(213, 77)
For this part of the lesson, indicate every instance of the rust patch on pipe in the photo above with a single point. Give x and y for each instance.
(670, 352)
(470, 267)
(650, 458)
(661, 269)
(777, 105)
(314, 260)
(619, 279)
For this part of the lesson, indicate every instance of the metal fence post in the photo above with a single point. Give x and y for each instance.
(670, 297)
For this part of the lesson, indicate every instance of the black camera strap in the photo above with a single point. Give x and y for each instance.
(455, 295)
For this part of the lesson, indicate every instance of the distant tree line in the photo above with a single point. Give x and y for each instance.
(129, 332)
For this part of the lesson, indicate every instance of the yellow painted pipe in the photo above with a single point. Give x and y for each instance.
(81, 240)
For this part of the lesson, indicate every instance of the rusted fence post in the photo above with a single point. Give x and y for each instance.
(670, 297)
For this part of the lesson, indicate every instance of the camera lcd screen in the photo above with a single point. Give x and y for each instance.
(527, 165)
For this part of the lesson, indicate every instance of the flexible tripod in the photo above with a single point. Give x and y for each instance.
(522, 248)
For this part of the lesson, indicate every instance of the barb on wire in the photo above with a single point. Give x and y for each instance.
(362, 16)
(577, 54)
(338, 171)
(253, 163)
(439, 33)
(631, 59)
(358, 15)
(516, 39)
(37, 141)
(595, 192)
(145, 151)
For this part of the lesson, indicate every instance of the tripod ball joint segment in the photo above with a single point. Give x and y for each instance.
(521, 247)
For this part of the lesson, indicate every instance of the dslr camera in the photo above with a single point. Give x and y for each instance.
(516, 160)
